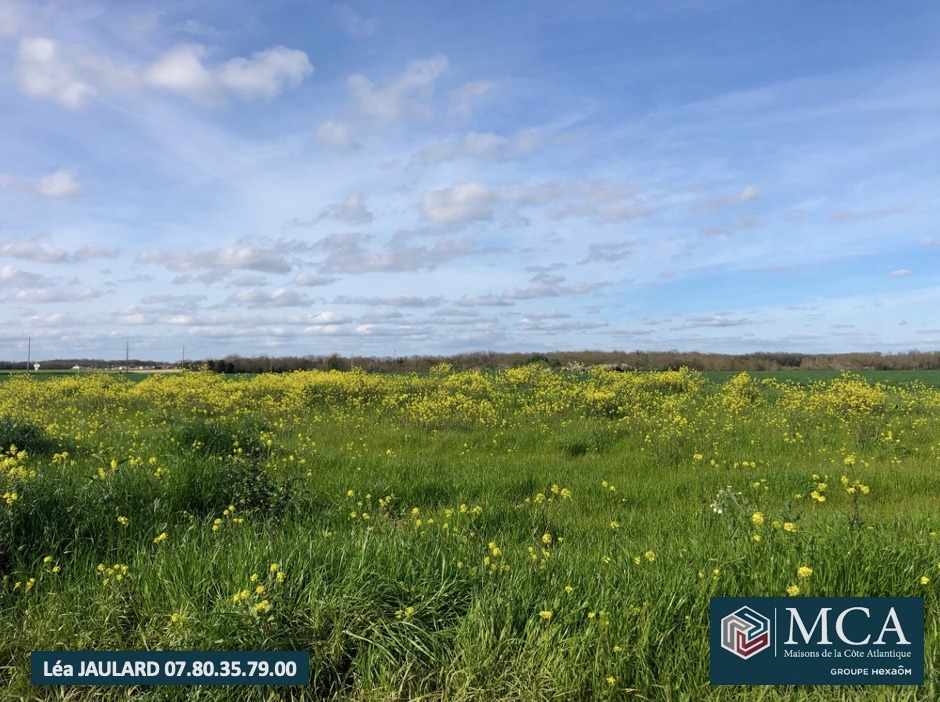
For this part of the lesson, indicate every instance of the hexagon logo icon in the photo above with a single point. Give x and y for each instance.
(745, 633)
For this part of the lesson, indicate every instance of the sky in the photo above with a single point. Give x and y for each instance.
(297, 177)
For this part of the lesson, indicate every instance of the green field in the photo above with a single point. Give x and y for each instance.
(458, 536)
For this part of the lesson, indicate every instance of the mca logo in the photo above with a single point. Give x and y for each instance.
(745, 633)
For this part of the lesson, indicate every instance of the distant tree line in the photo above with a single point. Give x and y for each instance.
(85, 363)
(622, 360)
(492, 360)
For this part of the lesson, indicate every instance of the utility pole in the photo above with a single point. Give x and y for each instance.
(127, 353)
(29, 351)
(183, 361)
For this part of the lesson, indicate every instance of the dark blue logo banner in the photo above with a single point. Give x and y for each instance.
(817, 641)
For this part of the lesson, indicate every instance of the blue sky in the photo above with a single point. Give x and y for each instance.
(403, 178)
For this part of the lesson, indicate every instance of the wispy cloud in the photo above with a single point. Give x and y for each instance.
(354, 24)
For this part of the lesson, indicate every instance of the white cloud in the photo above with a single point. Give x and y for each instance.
(337, 135)
(481, 145)
(354, 23)
(14, 276)
(533, 324)
(73, 76)
(593, 200)
(346, 253)
(242, 256)
(180, 70)
(265, 74)
(34, 250)
(900, 273)
(395, 301)
(381, 314)
(42, 72)
(12, 17)
(486, 146)
(263, 299)
(310, 280)
(609, 252)
(404, 97)
(87, 253)
(459, 204)
(463, 99)
(32, 296)
(352, 210)
(552, 288)
(718, 320)
(60, 184)
(484, 301)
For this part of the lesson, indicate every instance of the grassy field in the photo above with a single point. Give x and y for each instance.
(457, 536)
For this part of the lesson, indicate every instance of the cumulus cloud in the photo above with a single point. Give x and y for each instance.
(347, 253)
(310, 280)
(31, 296)
(354, 23)
(42, 72)
(15, 277)
(900, 273)
(352, 210)
(277, 258)
(42, 250)
(485, 146)
(87, 253)
(550, 288)
(464, 99)
(533, 324)
(450, 317)
(393, 301)
(337, 135)
(173, 300)
(488, 300)
(34, 250)
(59, 184)
(404, 97)
(381, 314)
(608, 252)
(459, 204)
(718, 320)
(181, 70)
(281, 297)
(589, 198)
(73, 76)
(595, 201)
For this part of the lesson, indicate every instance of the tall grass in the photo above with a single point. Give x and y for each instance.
(464, 536)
